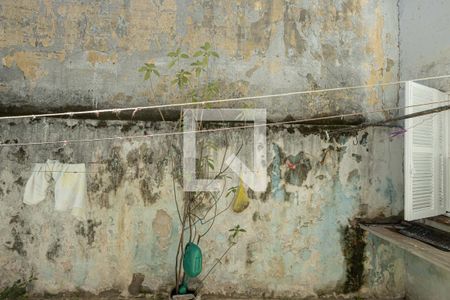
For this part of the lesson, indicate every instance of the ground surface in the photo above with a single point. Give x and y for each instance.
(206, 297)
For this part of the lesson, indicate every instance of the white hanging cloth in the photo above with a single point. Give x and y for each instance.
(70, 186)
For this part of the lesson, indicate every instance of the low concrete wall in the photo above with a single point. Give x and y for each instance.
(393, 271)
(425, 281)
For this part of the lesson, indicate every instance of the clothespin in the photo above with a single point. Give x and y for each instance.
(134, 112)
(398, 132)
(290, 165)
(116, 112)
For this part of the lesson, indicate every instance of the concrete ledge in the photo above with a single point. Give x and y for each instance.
(429, 253)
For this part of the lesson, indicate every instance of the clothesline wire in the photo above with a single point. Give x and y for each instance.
(65, 172)
(237, 99)
(87, 172)
(221, 129)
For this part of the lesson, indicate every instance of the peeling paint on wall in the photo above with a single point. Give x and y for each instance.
(316, 193)
(71, 54)
(63, 53)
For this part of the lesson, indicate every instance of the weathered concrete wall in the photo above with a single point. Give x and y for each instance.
(294, 244)
(425, 280)
(63, 54)
(385, 268)
(56, 53)
(391, 270)
(424, 43)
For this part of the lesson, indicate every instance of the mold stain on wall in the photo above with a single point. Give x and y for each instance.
(123, 231)
(354, 246)
(87, 53)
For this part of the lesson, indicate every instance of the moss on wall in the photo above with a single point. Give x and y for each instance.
(353, 247)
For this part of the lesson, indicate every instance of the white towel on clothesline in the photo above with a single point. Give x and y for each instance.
(70, 186)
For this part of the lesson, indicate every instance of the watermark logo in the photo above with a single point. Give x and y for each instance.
(255, 179)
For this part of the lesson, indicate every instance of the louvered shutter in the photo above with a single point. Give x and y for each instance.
(446, 164)
(425, 156)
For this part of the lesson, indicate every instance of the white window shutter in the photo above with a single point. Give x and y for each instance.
(425, 155)
(447, 158)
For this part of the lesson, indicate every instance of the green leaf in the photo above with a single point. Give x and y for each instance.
(147, 75)
(142, 69)
(172, 63)
(231, 190)
(211, 145)
(236, 229)
(156, 72)
(215, 54)
(171, 54)
(207, 46)
(184, 55)
(198, 53)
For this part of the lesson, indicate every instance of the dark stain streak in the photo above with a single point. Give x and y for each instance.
(19, 181)
(53, 250)
(354, 174)
(256, 216)
(251, 194)
(146, 193)
(353, 247)
(17, 244)
(133, 161)
(61, 155)
(19, 156)
(116, 169)
(72, 126)
(357, 157)
(146, 154)
(88, 230)
(363, 141)
(133, 157)
(127, 127)
(18, 229)
(266, 195)
(250, 253)
(16, 219)
(104, 201)
(292, 38)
